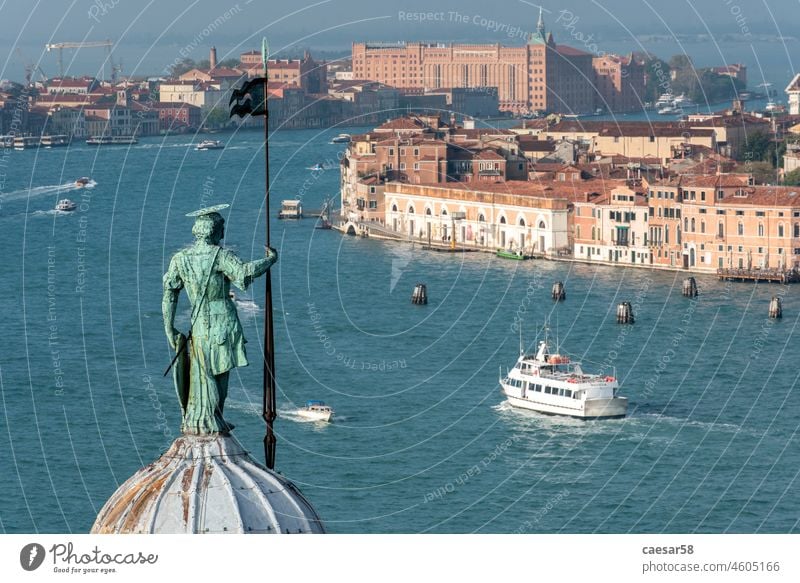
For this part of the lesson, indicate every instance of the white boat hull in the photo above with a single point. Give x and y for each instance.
(316, 415)
(613, 408)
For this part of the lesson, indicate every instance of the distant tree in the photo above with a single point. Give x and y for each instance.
(792, 178)
(762, 172)
(757, 148)
(657, 77)
(230, 63)
(204, 64)
(677, 62)
(217, 117)
(181, 67)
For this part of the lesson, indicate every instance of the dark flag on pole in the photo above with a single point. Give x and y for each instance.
(249, 99)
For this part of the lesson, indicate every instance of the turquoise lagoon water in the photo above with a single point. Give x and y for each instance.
(423, 441)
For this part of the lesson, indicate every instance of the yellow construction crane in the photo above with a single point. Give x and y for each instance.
(107, 44)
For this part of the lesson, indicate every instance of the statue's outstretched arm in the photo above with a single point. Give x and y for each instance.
(242, 274)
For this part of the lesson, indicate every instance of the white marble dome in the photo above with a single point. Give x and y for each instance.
(207, 484)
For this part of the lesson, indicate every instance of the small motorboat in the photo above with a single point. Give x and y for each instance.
(210, 145)
(317, 166)
(317, 411)
(341, 139)
(66, 205)
(516, 255)
(82, 181)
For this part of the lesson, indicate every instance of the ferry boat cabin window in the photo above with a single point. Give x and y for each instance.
(547, 390)
(537, 388)
(568, 393)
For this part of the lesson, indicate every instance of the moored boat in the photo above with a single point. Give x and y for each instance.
(341, 139)
(511, 254)
(111, 141)
(554, 385)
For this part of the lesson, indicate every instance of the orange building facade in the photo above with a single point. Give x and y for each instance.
(539, 76)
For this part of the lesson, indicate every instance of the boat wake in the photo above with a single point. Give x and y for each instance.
(51, 213)
(40, 191)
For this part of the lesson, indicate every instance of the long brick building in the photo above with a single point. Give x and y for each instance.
(540, 75)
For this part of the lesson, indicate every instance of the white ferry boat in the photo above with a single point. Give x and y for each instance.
(552, 384)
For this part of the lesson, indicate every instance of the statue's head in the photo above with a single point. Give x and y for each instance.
(209, 226)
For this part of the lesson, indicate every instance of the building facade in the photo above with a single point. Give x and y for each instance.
(538, 76)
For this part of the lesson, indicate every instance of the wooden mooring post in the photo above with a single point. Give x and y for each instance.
(689, 288)
(420, 295)
(559, 292)
(775, 308)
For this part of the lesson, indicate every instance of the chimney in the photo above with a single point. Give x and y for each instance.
(212, 58)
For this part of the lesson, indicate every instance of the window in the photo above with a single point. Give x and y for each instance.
(693, 226)
(760, 229)
(428, 211)
(391, 151)
(780, 230)
(416, 151)
(797, 229)
(394, 208)
(702, 226)
(721, 230)
(740, 229)
(373, 204)
(702, 195)
(502, 220)
(402, 165)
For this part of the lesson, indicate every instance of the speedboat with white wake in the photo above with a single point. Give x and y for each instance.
(83, 181)
(316, 411)
(210, 145)
(554, 385)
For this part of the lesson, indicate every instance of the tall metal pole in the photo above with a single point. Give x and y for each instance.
(268, 410)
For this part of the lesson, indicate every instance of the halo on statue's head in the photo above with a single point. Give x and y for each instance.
(208, 210)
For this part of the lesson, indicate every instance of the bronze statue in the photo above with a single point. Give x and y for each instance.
(215, 343)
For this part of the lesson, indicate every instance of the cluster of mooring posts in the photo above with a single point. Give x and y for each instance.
(420, 295)
(689, 288)
(625, 313)
(559, 292)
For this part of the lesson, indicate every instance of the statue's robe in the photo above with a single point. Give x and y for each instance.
(217, 341)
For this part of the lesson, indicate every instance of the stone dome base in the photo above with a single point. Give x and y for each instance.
(207, 484)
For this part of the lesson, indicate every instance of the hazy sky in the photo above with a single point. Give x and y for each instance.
(151, 34)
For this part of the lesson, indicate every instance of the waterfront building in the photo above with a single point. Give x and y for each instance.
(203, 94)
(612, 226)
(306, 73)
(620, 82)
(530, 216)
(793, 93)
(736, 71)
(662, 140)
(724, 222)
(540, 75)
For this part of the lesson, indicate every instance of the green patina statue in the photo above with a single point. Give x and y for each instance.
(215, 343)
